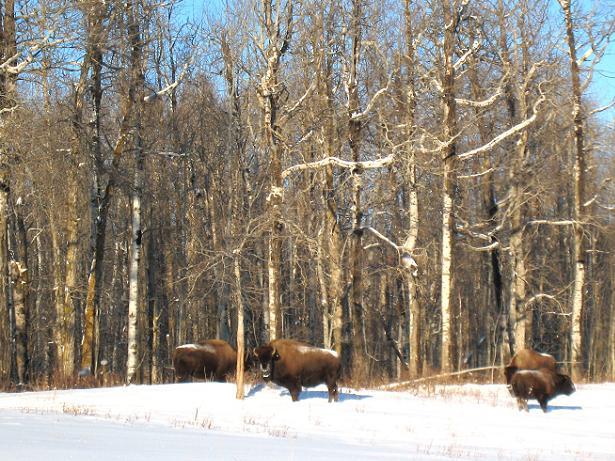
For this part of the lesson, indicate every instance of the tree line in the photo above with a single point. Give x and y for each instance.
(422, 186)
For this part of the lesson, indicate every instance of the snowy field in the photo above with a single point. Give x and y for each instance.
(204, 421)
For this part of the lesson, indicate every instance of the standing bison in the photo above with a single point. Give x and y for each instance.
(211, 359)
(293, 365)
(542, 385)
(527, 359)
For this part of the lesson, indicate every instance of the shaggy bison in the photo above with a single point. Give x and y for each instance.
(527, 359)
(542, 385)
(292, 364)
(209, 359)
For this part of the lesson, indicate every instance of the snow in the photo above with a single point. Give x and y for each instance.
(309, 349)
(205, 421)
(204, 347)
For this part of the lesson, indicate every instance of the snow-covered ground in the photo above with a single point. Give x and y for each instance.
(201, 421)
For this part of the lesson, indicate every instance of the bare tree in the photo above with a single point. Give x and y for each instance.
(276, 31)
(8, 52)
(136, 94)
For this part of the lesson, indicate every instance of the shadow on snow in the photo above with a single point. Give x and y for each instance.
(550, 408)
(308, 394)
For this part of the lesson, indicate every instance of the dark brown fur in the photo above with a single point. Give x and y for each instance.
(210, 359)
(542, 385)
(527, 359)
(293, 365)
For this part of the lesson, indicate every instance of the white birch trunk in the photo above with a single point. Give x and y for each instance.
(579, 175)
(135, 92)
(133, 285)
(448, 158)
(446, 279)
(240, 328)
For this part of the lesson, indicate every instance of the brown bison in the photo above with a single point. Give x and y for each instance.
(527, 359)
(210, 359)
(542, 385)
(292, 364)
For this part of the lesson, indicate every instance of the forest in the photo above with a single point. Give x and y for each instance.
(424, 186)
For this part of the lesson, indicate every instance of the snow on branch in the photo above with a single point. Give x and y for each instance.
(289, 112)
(370, 105)
(563, 222)
(358, 116)
(406, 259)
(540, 297)
(476, 175)
(9, 67)
(462, 59)
(600, 188)
(365, 165)
(602, 109)
(505, 135)
(167, 89)
(480, 104)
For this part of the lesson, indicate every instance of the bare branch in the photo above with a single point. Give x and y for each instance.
(477, 175)
(290, 112)
(602, 109)
(370, 105)
(600, 187)
(505, 135)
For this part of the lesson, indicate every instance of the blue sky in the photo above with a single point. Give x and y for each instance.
(603, 84)
(602, 89)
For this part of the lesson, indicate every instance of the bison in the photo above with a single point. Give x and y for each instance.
(527, 359)
(293, 365)
(542, 385)
(210, 359)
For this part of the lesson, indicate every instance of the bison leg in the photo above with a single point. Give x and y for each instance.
(294, 388)
(522, 404)
(294, 393)
(333, 393)
(543, 404)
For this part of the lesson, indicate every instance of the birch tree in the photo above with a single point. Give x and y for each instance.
(8, 52)
(579, 184)
(96, 15)
(409, 244)
(136, 94)
(275, 34)
(449, 152)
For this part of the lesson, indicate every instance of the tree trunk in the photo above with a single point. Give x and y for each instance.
(137, 86)
(240, 327)
(5, 296)
(8, 48)
(490, 209)
(579, 175)
(359, 366)
(99, 204)
(20, 280)
(448, 187)
(269, 94)
(413, 203)
(70, 300)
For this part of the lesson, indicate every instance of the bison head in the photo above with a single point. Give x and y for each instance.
(266, 357)
(564, 384)
(509, 371)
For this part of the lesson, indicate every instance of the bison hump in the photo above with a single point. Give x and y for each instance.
(311, 350)
(198, 347)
